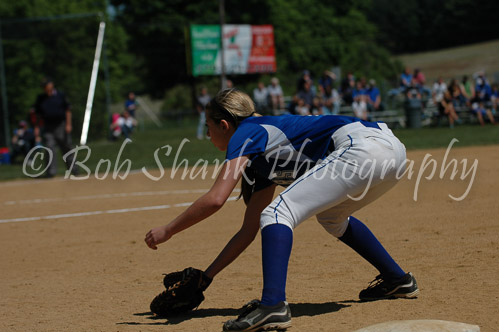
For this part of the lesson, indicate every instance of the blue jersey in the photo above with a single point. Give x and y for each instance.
(281, 148)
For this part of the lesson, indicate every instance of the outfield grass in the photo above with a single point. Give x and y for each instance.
(141, 150)
(467, 135)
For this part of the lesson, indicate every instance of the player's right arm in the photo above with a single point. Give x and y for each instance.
(243, 238)
(204, 206)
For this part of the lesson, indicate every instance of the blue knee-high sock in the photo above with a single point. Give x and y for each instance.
(362, 240)
(277, 241)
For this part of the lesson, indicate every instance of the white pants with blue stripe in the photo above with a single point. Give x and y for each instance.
(362, 167)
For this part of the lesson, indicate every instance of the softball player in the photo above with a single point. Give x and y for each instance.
(332, 166)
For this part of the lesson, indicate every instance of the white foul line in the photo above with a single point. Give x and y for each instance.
(101, 196)
(90, 213)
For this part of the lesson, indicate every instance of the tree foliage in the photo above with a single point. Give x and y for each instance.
(145, 43)
(421, 25)
(308, 35)
(57, 39)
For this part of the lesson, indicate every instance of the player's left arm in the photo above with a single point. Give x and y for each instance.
(204, 206)
(243, 238)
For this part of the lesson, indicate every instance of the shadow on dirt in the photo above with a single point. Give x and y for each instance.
(297, 310)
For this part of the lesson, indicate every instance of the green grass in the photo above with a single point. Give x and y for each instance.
(467, 135)
(141, 151)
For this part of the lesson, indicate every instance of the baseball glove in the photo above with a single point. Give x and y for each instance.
(184, 292)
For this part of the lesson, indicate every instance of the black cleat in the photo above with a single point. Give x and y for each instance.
(257, 317)
(379, 288)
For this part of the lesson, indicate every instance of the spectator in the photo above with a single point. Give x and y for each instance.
(359, 92)
(307, 94)
(276, 96)
(316, 106)
(494, 97)
(420, 81)
(480, 110)
(347, 87)
(115, 128)
(53, 118)
(467, 91)
(419, 77)
(455, 91)
(438, 91)
(131, 104)
(482, 104)
(405, 82)
(373, 97)
(304, 78)
(446, 107)
(413, 91)
(301, 108)
(405, 79)
(327, 79)
(123, 125)
(359, 104)
(202, 100)
(330, 100)
(483, 91)
(22, 141)
(359, 107)
(261, 98)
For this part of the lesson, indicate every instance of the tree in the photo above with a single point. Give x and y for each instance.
(308, 34)
(57, 38)
(421, 25)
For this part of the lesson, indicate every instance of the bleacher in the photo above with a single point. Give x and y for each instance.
(434, 118)
(393, 118)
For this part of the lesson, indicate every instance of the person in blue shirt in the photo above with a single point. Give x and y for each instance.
(331, 167)
(131, 104)
(406, 78)
(374, 101)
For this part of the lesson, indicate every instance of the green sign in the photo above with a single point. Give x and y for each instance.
(247, 49)
(205, 42)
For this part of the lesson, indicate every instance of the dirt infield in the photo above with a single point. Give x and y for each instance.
(73, 256)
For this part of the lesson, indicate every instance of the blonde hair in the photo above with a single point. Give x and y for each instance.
(231, 105)
(234, 106)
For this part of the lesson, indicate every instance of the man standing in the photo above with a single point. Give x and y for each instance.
(202, 100)
(53, 113)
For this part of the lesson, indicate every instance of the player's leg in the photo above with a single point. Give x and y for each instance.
(338, 222)
(367, 161)
(321, 188)
(201, 125)
(392, 281)
(50, 143)
(64, 141)
(272, 312)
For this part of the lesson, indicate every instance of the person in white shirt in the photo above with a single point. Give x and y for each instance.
(276, 96)
(261, 98)
(438, 91)
(123, 125)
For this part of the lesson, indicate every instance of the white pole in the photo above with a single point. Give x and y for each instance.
(93, 82)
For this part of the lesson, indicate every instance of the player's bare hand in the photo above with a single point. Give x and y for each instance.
(156, 236)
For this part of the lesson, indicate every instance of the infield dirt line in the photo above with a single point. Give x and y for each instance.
(88, 213)
(103, 196)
